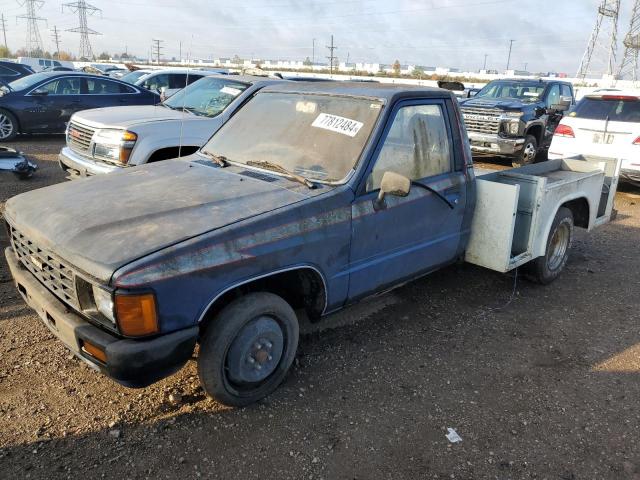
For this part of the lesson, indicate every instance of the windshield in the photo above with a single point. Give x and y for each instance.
(616, 109)
(131, 77)
(319, 137)
(206, 97)
(525, 92)
(28, 81)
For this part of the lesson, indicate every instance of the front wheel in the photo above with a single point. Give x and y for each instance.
(528, 154)
(547, 268)
(8, 126)
(248, 349)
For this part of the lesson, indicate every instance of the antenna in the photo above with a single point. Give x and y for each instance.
(629, 64)
(34, 41)
(81, 8)
(56, 38)
(608, 11)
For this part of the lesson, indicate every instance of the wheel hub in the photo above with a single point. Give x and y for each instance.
(256, 351)
(529, 151)
(558, 247)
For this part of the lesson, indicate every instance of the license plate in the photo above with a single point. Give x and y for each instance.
(603, 138)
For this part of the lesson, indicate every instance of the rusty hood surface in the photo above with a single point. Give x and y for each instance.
(102, 223)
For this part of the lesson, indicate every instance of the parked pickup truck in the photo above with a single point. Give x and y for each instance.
(312, 197)
(516, 118)
(105, 140)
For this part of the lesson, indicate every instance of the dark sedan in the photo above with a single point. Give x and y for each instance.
(44, 102)
(10, 71)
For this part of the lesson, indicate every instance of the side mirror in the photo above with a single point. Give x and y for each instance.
(392, 184)
(562, 106)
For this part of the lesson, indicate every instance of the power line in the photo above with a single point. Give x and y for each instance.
(331, 57)
(34, 40)
(81, 7)
(56, 38)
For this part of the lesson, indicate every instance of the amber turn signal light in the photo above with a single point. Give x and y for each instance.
(94, 351)
(136, 314)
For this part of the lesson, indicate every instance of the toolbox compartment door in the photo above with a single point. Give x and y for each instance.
(492, 229)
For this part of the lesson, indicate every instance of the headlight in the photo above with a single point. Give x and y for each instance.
(114, 145)
(514, 127)
(104, 302)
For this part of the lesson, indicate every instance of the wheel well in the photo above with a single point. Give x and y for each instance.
(536, 131)
(302, 288)
(580, 209)
(14, 116)
(172, 152)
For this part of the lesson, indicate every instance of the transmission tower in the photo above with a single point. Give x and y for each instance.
(629, 64)
(332, 58)
(56, 38)
(608, 12)
(34, 41)
(83, 8)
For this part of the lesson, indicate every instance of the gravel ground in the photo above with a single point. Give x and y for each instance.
(541, 385)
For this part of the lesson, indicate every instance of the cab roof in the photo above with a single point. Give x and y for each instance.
(383, 91)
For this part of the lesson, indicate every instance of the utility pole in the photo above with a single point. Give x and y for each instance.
(180, 57)
(331, 56)
(313, 52)
(81, 7)
(34, 40)
(484, 67)
(4, 32)
(509, 57)
(56, 38)
(157, 48)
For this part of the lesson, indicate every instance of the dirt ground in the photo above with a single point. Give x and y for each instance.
(544, 384)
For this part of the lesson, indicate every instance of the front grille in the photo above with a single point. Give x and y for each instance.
(487, 120)
(79, 137)
(55, 275)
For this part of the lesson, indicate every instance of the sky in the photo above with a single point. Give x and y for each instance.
(550, 35)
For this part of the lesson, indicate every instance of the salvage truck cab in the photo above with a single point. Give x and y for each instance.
(312, 197)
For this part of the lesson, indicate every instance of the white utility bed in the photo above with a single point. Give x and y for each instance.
(515, 208)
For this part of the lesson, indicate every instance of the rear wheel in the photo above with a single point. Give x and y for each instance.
(547, 268)
(8, 126)
(248, 349)
(528, 154)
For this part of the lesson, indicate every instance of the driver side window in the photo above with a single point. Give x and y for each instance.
(61, 86)
(417, 146)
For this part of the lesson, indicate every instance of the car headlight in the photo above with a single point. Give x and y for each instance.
(514, 127)
(114, 145)
(104, 302)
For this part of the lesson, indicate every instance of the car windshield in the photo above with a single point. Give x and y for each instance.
(132, 77)
(104, 68)
(615, 108)
(28, 81)
(206, 97)
(525, 92)
(319, 137)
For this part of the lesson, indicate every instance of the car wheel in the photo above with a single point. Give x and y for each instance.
(547, 268)
(8, 126)
(248, 349)
(529, 152)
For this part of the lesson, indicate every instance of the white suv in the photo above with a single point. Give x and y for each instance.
(603, 124)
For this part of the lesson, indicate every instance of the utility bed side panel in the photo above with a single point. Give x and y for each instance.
(493, 225)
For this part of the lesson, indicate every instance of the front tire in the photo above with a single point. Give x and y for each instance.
(8, 126)
(248, 349)
(528, 154)
(547, 268)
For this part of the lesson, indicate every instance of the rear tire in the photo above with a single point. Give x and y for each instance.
(8, 126)
(248, 349)
(528, 154)
(547, 268)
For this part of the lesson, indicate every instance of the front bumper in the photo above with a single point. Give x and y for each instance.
(133, 363)
(495, 144)
(78, 166)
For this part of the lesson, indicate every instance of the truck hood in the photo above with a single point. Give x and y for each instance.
(503, 104)
(127, 117)
(102, 223)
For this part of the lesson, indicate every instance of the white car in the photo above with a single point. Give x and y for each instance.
(606, 124)
(169, 81)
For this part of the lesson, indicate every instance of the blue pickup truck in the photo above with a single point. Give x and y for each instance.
(312, 197)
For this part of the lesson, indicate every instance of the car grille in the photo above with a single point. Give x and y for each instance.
(79, 137)
(56, 276)
(482, 120)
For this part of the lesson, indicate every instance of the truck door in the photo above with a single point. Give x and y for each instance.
(411, 235)
(553, 98)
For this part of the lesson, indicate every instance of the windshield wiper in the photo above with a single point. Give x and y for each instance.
(279, 168)
(219, 159)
